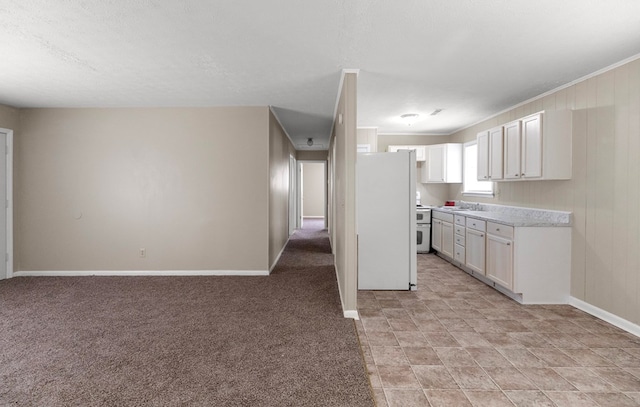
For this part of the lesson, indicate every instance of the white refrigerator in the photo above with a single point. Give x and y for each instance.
(386, 220)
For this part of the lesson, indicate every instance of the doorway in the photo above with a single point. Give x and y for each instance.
(6, 197)
(312, 188)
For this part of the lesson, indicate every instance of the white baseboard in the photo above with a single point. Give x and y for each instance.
(279, 254)
(78, 273)
(351, 313)
(605, 316)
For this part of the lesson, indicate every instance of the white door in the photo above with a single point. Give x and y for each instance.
(483, 156)
(495, 162)
(475, 250)
(500, 260)
(4, 272)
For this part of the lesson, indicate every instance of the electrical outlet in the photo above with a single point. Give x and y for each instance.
(143, 252)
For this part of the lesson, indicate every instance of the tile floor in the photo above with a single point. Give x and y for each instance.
(457, 342)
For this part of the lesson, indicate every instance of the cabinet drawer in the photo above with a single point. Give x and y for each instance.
(447, 217)
(458, 253)
(459, 240)
(460, 220)
(500, 230)
(460, 230)
(476, 224)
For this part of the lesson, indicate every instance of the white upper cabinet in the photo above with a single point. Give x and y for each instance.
(536, 147)
(490, 156)
(483, 155)
(512, 150)
(531, 164)
(420, 150)
(444, 164)
(495, 153)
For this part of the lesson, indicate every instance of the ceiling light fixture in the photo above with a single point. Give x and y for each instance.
(410, 118)
(310, 141)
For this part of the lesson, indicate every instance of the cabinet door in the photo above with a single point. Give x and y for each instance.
(420, 153)
(447, 239)
(495, 153)
(483, 155)
(475, 250)
(512, 150)
(436, 234)
(500, 260)
(531, 165)
(436, 163)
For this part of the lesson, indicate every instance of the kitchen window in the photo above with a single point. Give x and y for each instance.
(470, 184)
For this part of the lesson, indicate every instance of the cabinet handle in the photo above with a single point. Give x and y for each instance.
(497, 229)
(485, 176)
(481, 235)
(516, 175)
(508, 244)
(522, 174)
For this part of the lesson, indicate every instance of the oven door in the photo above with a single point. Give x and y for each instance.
(424, 237)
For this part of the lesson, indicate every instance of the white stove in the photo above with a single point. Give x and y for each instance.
(423, 228)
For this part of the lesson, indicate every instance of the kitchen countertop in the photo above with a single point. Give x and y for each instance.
(514, 216)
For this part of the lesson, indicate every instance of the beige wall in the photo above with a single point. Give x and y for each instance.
(189, 185)
(9, 117)
(604, 192)
(342, 153)
(313, 189)
(280, 149)
(430, 194)
(312, 155)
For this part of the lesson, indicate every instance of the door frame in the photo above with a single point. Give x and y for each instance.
(293, 199)
(325, 185)
(9, 203)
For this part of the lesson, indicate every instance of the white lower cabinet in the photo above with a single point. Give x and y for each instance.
(475, 250)
(442, 233)
(436, 235)
(500, 260)
(447, 239)
(532, 263)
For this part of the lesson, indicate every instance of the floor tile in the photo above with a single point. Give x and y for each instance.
(382, 339)
(472, 378)
(621, 379)
(571, 399)
(447, 398)
(613, 400)
(488, 357)
(457, 342)
(376, 324)
(488, 398)
(529, 398)
(547, 379)
(510, 378)
(441, 339)
(618, 356)
(388, 356)
(398, 377)
(587, 358)
(553, 357)
(522, 358)
(434, 377)
(455, 357)
(379, 398)
(411, 338)
(406, 398)
(584, 379)
(422, 356)
(468, 339)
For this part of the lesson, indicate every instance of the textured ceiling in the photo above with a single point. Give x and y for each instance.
(469, 58)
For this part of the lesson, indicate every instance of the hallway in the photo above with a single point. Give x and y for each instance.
(457, 342)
